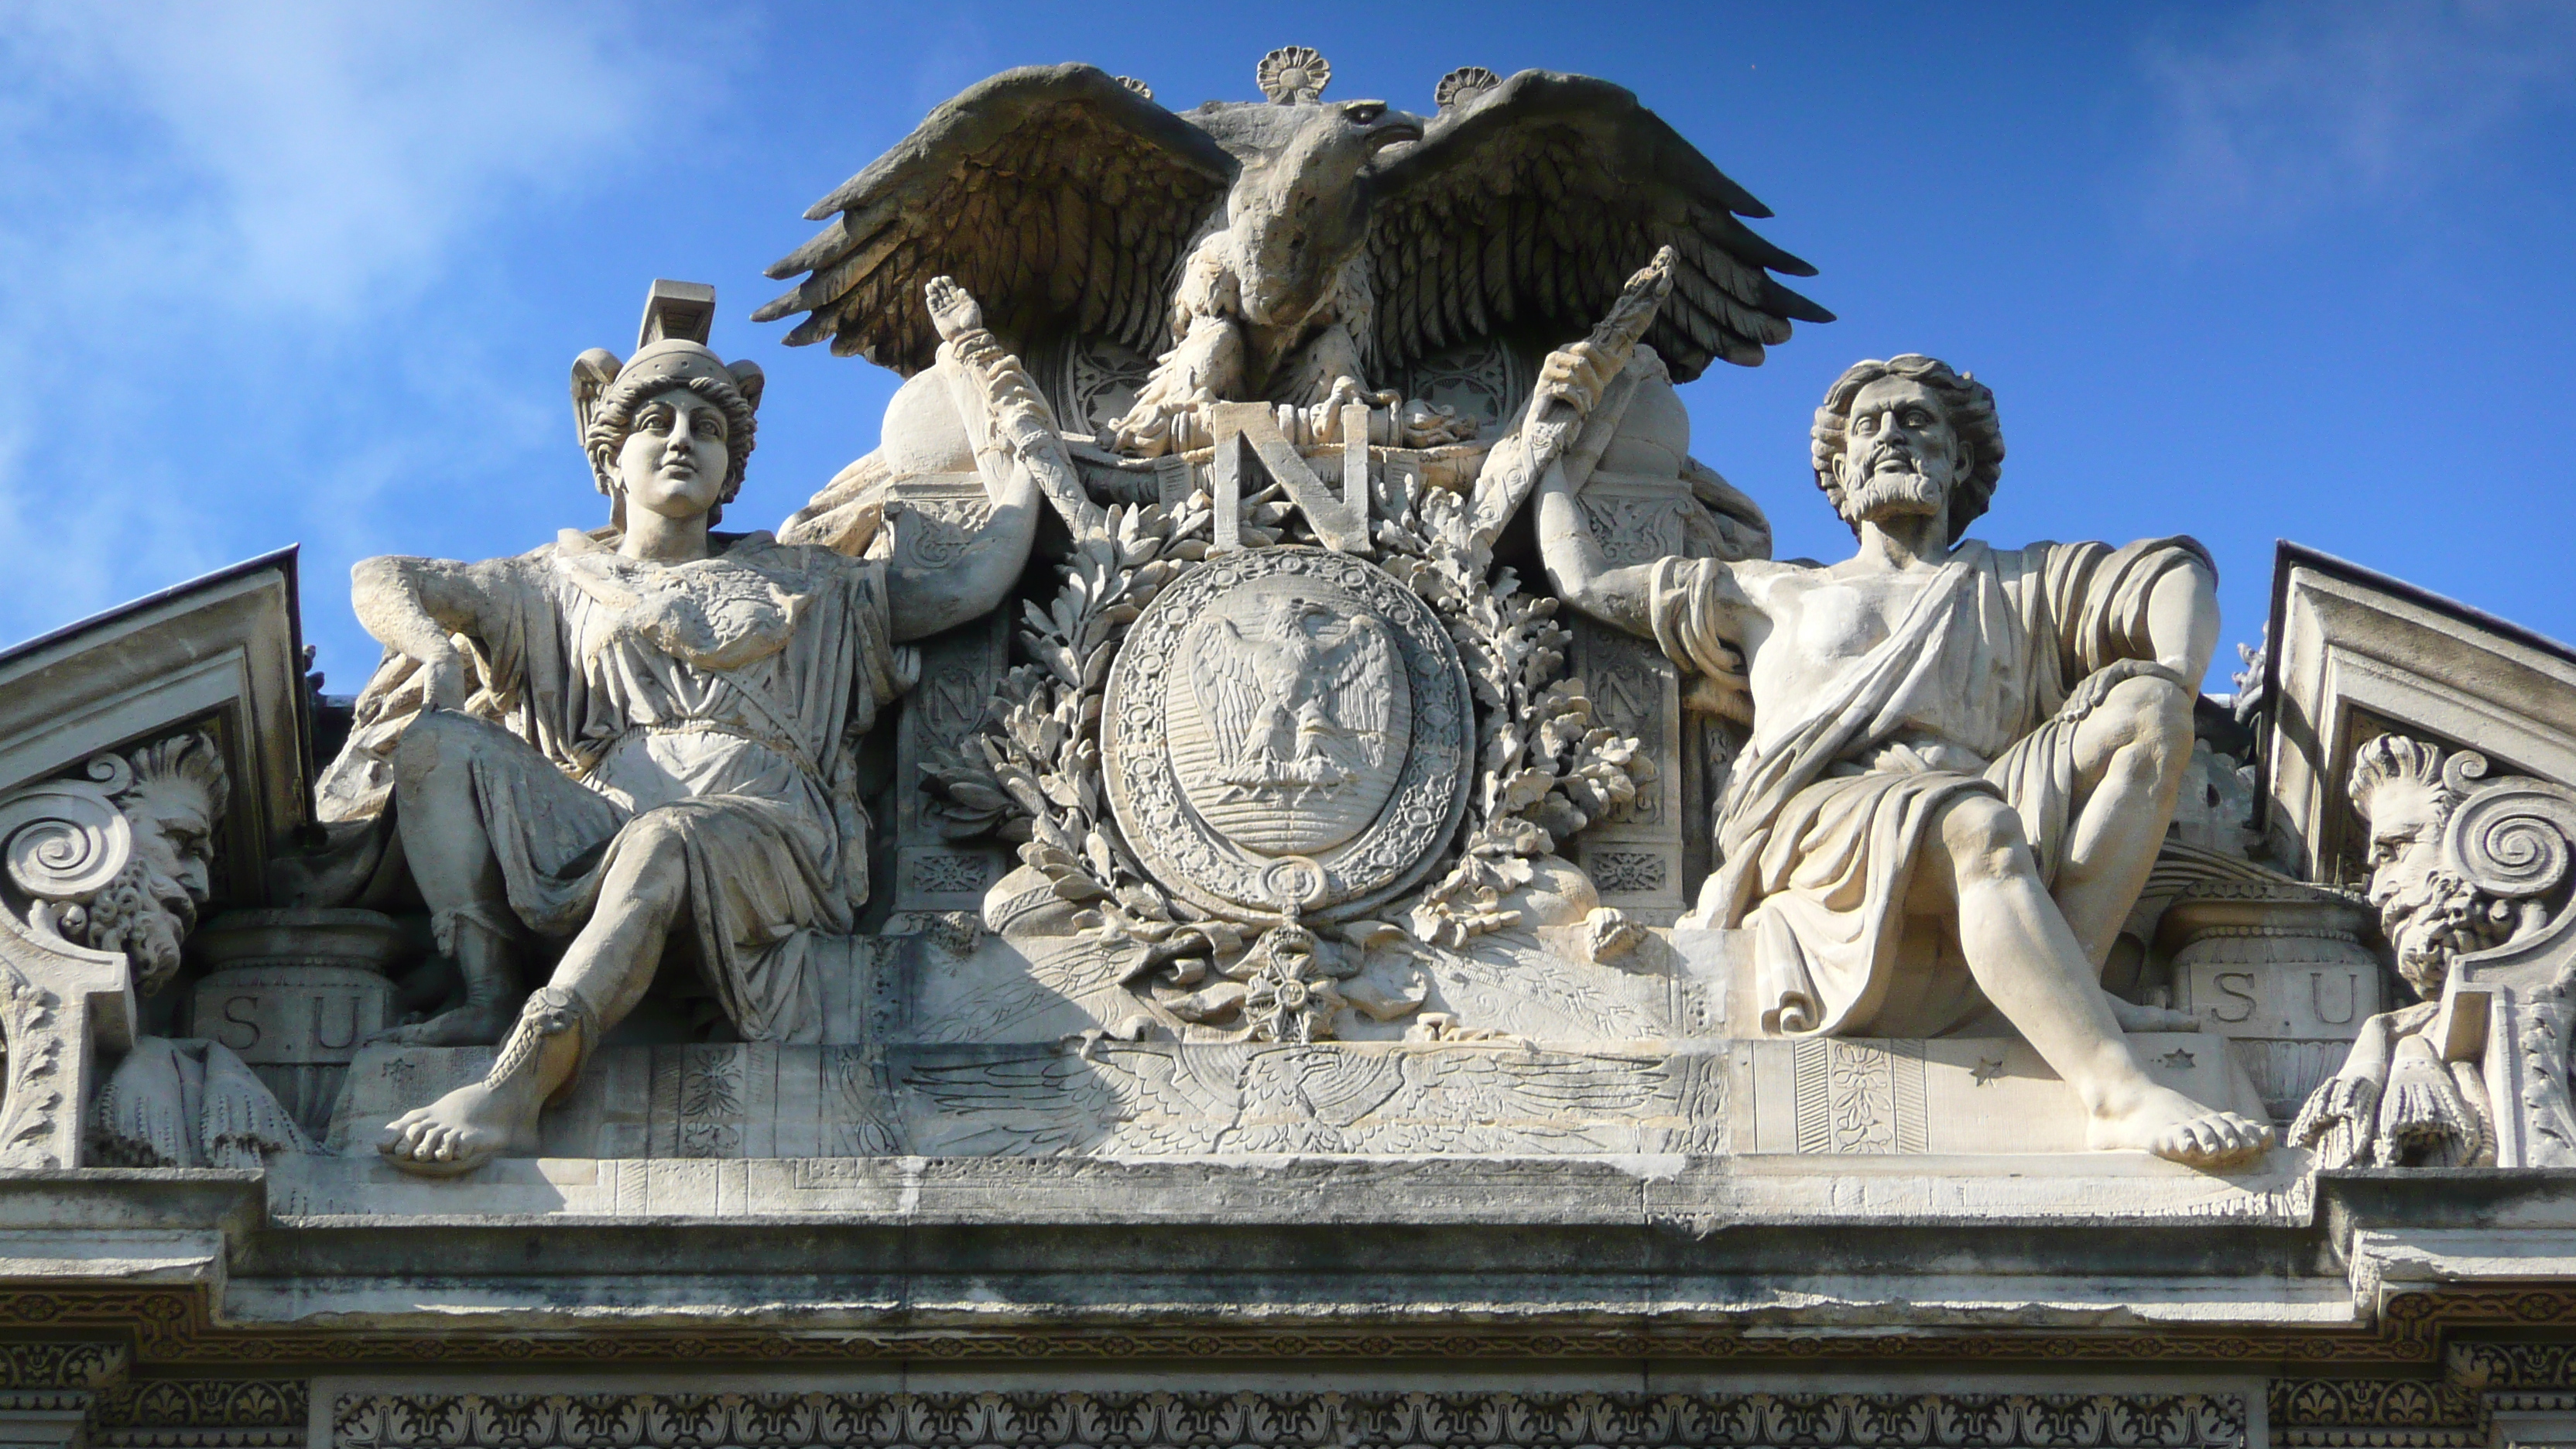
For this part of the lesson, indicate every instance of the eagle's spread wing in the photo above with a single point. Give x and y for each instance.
(1529, 205)
(1037, 1103)
(1056, 1100)
(1054, 193)
(1225, 675)
(1358, 671)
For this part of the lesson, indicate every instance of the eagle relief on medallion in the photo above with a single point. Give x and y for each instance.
(1294, 717)
(1288, 704)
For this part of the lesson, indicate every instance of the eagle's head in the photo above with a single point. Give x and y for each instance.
(1297, 614)
(1340, 140)
(1320, 146)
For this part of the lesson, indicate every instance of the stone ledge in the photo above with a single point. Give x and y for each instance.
(1703, 1193)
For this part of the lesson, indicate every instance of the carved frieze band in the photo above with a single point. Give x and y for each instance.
(1860, 1096)
(201, 1414)
(1106, 1418)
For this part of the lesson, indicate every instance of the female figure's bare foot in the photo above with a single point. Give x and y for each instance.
(2174, 1127)
(497, 1117)
(465, 1129)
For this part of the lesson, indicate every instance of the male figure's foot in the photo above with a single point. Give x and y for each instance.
(473, 1024)
(2174, 1127)
(465, 1129)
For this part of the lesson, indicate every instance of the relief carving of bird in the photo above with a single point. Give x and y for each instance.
(1302, 700)
(1165, 1099)
(1287, 250)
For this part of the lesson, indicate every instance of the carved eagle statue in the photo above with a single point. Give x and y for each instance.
(1267, 250)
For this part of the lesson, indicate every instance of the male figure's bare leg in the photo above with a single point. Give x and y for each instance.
(602, 976)
(2130, 756)
(1977, 865)
(450, 855)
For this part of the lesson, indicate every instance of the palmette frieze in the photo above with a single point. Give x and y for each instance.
(1105, 1418)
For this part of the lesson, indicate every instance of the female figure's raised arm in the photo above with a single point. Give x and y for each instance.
(1009, 424)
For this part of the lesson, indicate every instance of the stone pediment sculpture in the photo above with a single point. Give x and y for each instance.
(1275, 854)
(153, 755)
(1395, 726)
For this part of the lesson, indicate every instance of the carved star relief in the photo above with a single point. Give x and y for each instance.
(2178, 1059)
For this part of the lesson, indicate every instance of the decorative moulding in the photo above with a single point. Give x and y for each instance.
(225, 650)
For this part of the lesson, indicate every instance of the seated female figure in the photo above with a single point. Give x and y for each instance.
(680, 713)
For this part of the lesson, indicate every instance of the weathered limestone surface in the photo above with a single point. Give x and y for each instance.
(1279, 865)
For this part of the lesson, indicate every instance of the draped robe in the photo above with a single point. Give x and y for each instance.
(1827, 804)
(717, 702)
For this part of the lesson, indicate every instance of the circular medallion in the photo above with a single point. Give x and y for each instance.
(1288, 728)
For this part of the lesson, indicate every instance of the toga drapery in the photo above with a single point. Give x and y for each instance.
(718, 701)
(1826, 805)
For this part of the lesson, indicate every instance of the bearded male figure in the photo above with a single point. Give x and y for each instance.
(2395, 1101)
(1963, 759)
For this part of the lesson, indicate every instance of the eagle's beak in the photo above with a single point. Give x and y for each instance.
(1385, 127)
(1396, 129)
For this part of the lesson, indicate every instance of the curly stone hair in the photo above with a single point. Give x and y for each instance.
(1969, 406)
(615, 418)
(2395, 759)
(192, 756)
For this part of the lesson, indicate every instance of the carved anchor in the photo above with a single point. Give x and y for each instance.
(1252, 428)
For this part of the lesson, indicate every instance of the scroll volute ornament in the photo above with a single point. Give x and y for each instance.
(62, 842)
(2512, 839)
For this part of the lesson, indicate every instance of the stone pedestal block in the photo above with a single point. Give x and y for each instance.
(293, 993)
(2284, 976)
(1838, 1096)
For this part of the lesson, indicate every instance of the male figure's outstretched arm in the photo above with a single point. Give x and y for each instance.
(1581, 572)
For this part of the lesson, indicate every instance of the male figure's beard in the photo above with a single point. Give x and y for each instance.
(147, 915)
(2429, 920)
(1886, 494)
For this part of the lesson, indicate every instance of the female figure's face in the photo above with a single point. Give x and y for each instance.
(673, 463)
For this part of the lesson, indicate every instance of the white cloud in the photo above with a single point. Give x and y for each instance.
(275, 189)
(2301, 106)
(310, 153)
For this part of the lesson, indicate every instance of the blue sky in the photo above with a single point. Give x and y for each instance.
(306, 273)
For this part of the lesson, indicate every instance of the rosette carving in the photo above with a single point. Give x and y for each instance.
(1293, 73)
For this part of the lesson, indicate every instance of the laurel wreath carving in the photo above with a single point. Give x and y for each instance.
(1547, 770)
(1032, 772)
